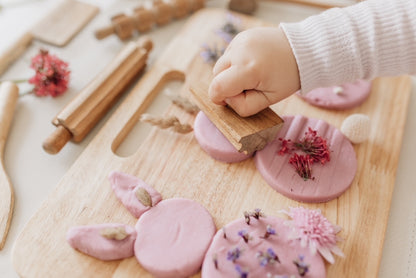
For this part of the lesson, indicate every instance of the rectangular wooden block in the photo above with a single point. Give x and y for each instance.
(248, 134)
(64, 22)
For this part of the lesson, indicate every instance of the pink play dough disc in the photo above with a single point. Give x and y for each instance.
(286, 249)
(329, 180)
(173, 237)
(213, 142)
(352, 95)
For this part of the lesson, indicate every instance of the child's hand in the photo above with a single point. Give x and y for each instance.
(257, 69)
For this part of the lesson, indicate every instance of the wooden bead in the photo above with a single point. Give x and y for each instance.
(123, 26)
(163, 12)
(243, 6)
(143, 19)
(197, 5)
(180, 8)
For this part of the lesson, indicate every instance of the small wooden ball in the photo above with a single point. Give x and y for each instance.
(243, 6)
(356, 128)
(143, 19)
(123, 26)
(163, 12)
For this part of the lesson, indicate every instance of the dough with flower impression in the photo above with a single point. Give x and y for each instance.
(173, 237)
(328, 180)
(214, 143)
(249, 260)
(342, 97)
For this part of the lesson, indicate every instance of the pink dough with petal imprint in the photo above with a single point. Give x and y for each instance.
(88, 240)
(213, 142)
(352, 95)
(329, 180)
(125, 186)
(286, 249)
(173, 237)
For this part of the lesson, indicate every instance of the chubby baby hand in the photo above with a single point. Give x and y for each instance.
(258, 69)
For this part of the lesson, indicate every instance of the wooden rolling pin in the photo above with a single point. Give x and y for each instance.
(9, 94)
(143, 19)
(89, 106)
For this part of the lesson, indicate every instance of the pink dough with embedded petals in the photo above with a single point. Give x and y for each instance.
(352, 95)
(89, 240)
(172, 238)
(286, 249)
(329, 180)
(125, 186)
(213, 142)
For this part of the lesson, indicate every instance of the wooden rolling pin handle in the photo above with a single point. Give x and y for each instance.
(104, 32)
(145, 43)
(9, 93)
(57, 140)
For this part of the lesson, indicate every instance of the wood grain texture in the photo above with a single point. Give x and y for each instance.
(176, 166)
(247, 134)
(64, 22)
(9, 94)
(14, 51)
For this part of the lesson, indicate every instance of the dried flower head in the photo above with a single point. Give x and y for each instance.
(315, 146)
(52, 75)
(268, 257)
(257, 213)
(302, 165)
(211, 54)
(247, 217)
(286, 146)
(234, 254)
(315, 231)
(215, 260)
(230, 28)
(269, 232)
(244, 235)
(302, 267)
(224, 233)
(242, 273)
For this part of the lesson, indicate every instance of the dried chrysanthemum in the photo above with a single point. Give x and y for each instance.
(52, 75)
(315, 231)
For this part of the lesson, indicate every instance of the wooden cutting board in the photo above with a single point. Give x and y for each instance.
(176, 166)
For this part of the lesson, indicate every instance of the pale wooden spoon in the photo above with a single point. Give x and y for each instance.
(9, 94)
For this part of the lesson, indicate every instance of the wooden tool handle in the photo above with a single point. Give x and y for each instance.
(104, 32)
(90, 105)
(9, 94)
(14, 51)
(248, 134)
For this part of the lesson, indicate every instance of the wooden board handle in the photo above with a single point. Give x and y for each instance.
(14, 51)
(9, 94)
(247, 134)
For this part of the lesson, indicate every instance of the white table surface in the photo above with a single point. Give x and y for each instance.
(35, 173)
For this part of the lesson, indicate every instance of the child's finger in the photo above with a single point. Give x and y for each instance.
(231, 82)
(222, 64)
(248, 103)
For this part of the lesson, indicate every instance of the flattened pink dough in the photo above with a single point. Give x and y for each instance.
(330, 180)
(125, 186)
(213, 142)
(286, 250)
(353, 95)
(173, 237)
(88, 240)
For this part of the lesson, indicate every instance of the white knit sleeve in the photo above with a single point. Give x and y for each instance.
(370, 39)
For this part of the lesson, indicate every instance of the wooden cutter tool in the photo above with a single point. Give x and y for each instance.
(247, 134)
(89, 106)
(9, 94)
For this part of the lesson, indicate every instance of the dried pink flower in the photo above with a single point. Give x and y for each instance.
(302, 165)
(315, 146)
(314, 230)
(52, 75)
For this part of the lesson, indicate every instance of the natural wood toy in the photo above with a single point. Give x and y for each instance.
(80, 116)
(143, 19)
(14, 51)
(9, 93)
(247, 134)
(243, 6)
